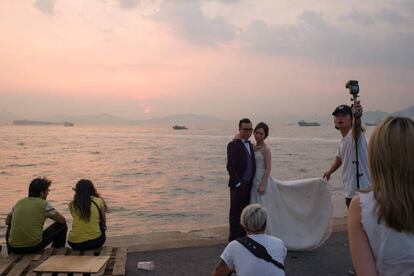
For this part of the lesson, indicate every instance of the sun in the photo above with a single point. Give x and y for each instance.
(147, 110)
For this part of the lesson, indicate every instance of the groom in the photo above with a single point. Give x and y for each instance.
(241, 167)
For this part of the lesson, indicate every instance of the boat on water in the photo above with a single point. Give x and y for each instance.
(303, 123)
(177, 127)
(68, 124)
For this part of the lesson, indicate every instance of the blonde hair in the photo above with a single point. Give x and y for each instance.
(253, 218)
(391, 164)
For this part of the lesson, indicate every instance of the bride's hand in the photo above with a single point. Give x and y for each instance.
(261, 190)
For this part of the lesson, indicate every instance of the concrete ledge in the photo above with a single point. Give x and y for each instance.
(177, 239)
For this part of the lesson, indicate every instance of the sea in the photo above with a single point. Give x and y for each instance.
(153, 178)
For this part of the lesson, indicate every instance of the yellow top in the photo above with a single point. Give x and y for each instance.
(86, 230)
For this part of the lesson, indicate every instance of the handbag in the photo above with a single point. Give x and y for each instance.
(259, 251)
(102, 223)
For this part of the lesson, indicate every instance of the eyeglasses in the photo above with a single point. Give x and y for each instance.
(247, 129)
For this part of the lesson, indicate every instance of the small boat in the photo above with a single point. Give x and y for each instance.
(68, 124)
(176, 127)
(303, 123)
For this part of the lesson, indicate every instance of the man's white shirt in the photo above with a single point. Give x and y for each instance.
(346, 151)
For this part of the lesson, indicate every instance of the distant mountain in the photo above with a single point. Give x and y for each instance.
(408, 112)
(196, 119)
(376, 116)
(108, 119)
(7, 117)
(184, 119)
(96, 119)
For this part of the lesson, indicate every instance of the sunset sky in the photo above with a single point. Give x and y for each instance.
(143, 58)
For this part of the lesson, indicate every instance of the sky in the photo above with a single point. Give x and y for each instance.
(147, 58)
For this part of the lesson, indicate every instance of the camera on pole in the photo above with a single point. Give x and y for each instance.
(353, 88)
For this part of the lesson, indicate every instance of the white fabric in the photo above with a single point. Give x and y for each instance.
(393, 251)
(239, 258)
(346, 151)
(298, 212)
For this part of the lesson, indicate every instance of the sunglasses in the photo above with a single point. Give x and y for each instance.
(247, 129)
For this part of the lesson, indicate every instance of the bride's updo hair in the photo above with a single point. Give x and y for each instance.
(253, 218)
(263, 126)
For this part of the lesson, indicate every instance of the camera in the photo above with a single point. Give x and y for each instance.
(353, 87)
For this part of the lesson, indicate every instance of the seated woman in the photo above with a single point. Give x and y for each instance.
(236, 257)
(381, 221)
(88, 212)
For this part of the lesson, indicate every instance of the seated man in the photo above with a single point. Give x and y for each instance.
(25, 222)
(236, 257)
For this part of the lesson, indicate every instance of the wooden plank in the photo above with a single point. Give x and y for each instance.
(21, 265)
(56, 251)
(5, 263)
(36, 261)
(60, 251)
(120, 261)
(74, 252)
(105, 251)
(83, 264)
(89, 253)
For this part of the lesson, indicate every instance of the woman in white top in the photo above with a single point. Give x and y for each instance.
(381, 222)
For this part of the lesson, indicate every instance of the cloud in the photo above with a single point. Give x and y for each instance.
(313, 38)
(128, 4)
(391, 16)
(358, 17)
(188, 21)
(45, 6)
(384, 15)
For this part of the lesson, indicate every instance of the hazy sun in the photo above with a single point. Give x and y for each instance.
(147, 110)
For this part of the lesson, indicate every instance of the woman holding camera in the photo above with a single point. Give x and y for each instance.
(381, 221)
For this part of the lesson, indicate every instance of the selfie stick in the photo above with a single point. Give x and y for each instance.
(356, 162)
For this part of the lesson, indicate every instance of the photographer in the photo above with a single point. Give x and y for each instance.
(348, 121)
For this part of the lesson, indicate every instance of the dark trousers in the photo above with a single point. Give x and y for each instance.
(239, 198)
(89, 245)
(55, 234)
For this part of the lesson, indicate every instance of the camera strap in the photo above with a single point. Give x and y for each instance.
(259, 251)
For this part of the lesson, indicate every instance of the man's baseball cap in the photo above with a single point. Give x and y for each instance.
(343, 108)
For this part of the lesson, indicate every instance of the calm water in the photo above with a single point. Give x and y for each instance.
(153, 178)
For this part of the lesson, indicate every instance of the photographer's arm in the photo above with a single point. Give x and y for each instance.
(356, 124)
(333, 168)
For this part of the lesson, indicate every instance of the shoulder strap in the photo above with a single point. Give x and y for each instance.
(99, 209)
(259, 251)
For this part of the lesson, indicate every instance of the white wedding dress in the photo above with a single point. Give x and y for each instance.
(298, 212)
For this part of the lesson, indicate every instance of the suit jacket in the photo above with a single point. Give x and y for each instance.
(237, 161)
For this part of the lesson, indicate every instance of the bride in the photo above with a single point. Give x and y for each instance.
(299, 211)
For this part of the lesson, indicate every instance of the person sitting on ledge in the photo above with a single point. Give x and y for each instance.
(89, 221)
(25, 222)
(256, 254)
